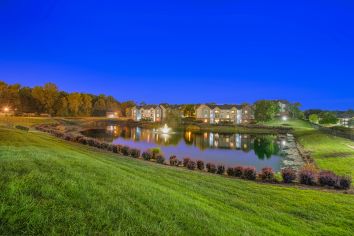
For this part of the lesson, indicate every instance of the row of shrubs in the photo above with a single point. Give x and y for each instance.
(308, 175)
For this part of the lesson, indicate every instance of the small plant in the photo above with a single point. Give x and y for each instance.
(146, 156)
(160, 159)
(155, 151)
(267, 174)
(22, 128)
(135, 153)
(200, 165)
(115, 148)
(288, 174)
(238, 171)
(249, 173)
(220, 170)
(230, 171)
(308, 174)
(327, 178)
(344, 182)
(173, 161)
(211, 167)
(185, 161)
(191, 165)
(125, 151)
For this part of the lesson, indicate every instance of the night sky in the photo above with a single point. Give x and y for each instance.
(184, 51)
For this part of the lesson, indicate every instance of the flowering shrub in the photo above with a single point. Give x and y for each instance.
(134, 152)
(160, 159)
(155, 151)
(230, 171)
(238, 171)
(344, 182)
(249, 173)
(267, 174)
(185, 161)
(211, 167)
(288, 174)
(191, 165)
(146, 156)
(115, 148)
(327, 178)
(125, 150)
(173, 160)
(200, 165)
(308, 174)
(220, 170)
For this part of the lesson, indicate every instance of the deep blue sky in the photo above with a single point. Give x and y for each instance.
(184, 51)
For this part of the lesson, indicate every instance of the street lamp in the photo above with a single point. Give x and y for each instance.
(6, 109)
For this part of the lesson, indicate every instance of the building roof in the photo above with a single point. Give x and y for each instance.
(224, 106)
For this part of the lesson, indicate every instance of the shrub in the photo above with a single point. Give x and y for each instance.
(173, 161)
(146, 156)
(22, 128)
(249, 173)
(211, 167)
(191, 165)
(155, 151)
(125, 150)
(200, 165)
(115, 148)
(110, 147)
(230, 171)
(327, 178)
(104, 145)
(220, 170)
(160, 159)
(238, 171)
(288, 174)
(135, 153)
(267, 174)
(307, 174)
(344, 182)
(185, 161)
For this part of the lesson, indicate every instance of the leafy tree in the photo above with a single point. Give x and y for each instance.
(74, 103)
(189, 110)
(86, 105)
(173, 117)
(328, 118)
(28, 102)
(313, 118)
(294, 110)
(126, 107)
(62, 106)
(265, 110)
(99, 108)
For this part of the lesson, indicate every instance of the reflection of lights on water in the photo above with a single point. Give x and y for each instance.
(189, 135)
(232, 144)
(205, 135)
(244, 146)
(165, 129)
(283, 142)
(216, 143)
(110, 128)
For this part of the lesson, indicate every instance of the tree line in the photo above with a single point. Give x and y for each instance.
(49, 99)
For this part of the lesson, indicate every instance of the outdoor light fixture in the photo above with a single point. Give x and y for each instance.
(284, 118)
(6, 109)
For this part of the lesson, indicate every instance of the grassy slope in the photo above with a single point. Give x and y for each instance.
(51, 186)
(330, 152)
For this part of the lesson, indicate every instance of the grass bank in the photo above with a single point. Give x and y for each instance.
(329, 152)
(49, 186)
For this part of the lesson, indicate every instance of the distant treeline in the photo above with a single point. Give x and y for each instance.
(49, 99)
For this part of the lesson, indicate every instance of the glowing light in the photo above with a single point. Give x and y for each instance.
(165, 129)
(283, 142)
(6, 109)
(284, 118)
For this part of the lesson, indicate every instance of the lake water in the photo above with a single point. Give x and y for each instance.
(230, 149)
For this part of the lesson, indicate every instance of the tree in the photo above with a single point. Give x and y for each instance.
(99, 108)
(265, 110)
(62, 106)
(313, 118)
(126, 106)
(328, 118)
(86, 105)
(189, 110)
(46, 96)
(74, 103)
(173, 117)
(294, 110)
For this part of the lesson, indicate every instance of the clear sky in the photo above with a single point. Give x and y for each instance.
(184, 51)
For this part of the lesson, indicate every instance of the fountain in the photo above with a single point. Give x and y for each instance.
(165, 129)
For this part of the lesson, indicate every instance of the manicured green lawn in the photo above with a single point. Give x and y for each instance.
(25, 121)
(328, 151)
(49, 186)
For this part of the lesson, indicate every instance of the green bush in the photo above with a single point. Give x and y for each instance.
(200, 165)
(146, 156)
(160, 159)
(20, 127)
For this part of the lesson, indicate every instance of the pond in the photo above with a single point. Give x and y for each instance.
(230, 149)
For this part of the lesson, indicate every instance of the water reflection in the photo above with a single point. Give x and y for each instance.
(228, 148)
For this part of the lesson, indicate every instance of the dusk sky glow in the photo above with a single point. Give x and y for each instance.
(184, 51)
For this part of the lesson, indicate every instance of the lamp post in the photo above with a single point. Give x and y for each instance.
(6, 111)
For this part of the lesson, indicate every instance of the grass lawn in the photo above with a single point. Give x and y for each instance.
(49, 186)
(25, 121)
(328, 151)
